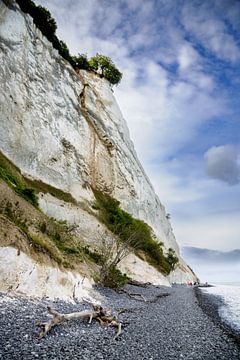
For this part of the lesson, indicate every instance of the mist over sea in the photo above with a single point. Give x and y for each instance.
(230, 308)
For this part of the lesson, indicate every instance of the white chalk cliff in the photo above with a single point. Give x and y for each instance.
(67, 130)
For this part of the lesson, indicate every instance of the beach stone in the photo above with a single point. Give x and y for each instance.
(173, 327)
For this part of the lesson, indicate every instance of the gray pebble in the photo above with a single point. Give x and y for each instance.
(173, 327)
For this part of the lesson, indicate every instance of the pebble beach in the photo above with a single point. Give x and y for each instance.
(173, 323)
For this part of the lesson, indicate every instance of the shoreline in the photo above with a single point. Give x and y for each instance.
(170, 325)
(210, 304)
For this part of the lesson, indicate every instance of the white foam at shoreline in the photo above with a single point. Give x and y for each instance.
(230, 294)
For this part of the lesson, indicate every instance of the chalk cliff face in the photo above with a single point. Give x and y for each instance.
(67, 130)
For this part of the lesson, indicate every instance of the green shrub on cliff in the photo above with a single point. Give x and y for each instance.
(43, 19)
(10, 175)
(125, 226)
(113, 278)
(172, 258)
(81, 62)
(104, 66)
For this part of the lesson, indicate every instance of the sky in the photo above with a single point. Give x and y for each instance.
(214, 266)
(179, 94)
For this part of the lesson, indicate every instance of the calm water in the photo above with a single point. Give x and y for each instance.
(230, 293)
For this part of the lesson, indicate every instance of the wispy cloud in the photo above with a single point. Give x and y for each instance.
(215, 256)
(219, 230)
(166, 112)
(205, 25)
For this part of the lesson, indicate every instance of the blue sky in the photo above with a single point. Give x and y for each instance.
(180, 96)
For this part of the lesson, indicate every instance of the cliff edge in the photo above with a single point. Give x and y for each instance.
(65, 133)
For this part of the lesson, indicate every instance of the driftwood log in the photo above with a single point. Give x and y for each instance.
(140, 297)
(103, 316)
(138, 283)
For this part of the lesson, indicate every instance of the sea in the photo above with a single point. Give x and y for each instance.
(230, 308)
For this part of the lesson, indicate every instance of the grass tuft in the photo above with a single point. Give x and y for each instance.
(45, 246)
(11, 175)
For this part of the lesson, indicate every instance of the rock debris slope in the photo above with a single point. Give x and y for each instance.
(66, 130)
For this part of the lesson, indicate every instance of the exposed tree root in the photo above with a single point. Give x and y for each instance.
(103, 316)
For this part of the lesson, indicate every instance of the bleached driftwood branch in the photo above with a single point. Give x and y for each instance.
(103, 316)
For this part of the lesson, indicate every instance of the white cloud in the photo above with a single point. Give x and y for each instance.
(163, 114)
(214, 230)
(223, 163)
(210, 31)
(187, 57)
(174, 189)
(204, 212)
(231, 9)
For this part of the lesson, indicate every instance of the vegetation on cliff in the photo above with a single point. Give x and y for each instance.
(104, 66)
(125, 226)
(55, 239)
(10, 174)
(99, 64)
(25, 227)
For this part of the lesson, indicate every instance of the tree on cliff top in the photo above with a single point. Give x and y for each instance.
(105, 67)
(81, 62)
(99, 64)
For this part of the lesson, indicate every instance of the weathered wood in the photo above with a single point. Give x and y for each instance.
(138, 283)
(103, 316)
(119, 326)
(159, 296)
(140, 297)
(59, 318)
(132, 295)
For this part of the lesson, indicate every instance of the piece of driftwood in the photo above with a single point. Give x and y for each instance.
(138, 283)
(132, 295)
(159, 296)
(140, 297)
(103, 316)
